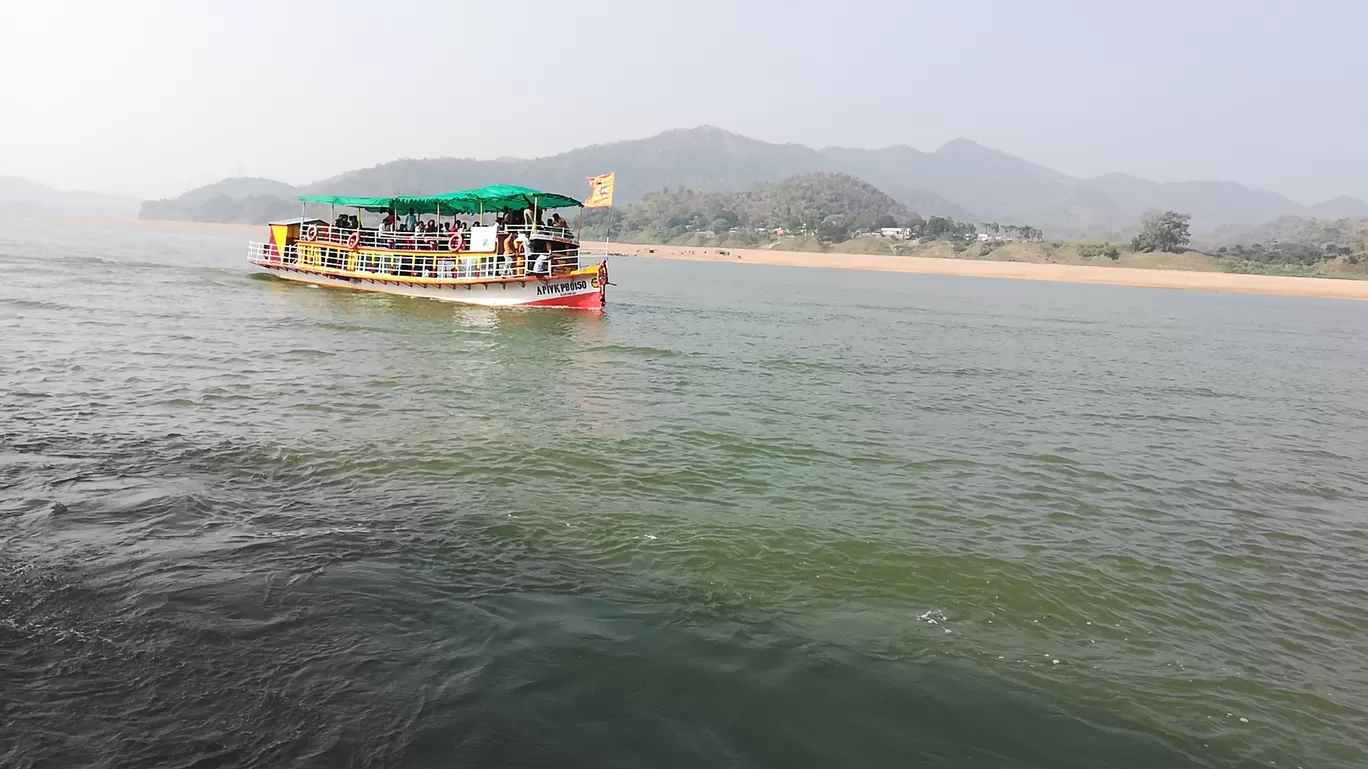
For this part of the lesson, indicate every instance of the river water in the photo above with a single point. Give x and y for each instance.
(750, 517)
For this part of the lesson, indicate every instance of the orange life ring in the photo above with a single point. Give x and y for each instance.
(455, 242)
(354, 240)
(311, 233)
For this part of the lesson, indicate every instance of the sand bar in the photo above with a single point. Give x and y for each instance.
(1322, 288)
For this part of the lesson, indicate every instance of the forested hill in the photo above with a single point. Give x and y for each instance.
(239, 200)
(1346, 232)
(822, 208)
(840, 202)
(962, 180)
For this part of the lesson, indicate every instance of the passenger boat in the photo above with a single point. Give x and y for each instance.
(517, 260)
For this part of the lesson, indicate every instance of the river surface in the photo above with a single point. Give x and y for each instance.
(748, 517)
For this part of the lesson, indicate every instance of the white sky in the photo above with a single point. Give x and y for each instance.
(152, 98)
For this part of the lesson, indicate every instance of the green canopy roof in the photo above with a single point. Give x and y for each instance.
(509, 197)
(370, 204)
(496, 198)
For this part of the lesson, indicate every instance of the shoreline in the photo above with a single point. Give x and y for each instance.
(1137, 277)
(1227, 282)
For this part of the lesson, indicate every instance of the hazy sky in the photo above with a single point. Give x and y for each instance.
(152, 98)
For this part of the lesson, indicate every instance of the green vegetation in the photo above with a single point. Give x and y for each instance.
(1090, 250)
(829, 208)
(1017, 231)
(1163, 232)
(1296, 246)
(836, 213)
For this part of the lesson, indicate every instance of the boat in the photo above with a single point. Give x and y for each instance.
(455, 253)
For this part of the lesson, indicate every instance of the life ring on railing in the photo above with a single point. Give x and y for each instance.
(354, 240)
(311, 232)
(455, 242)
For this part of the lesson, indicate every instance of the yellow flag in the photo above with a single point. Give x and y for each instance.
(601, 191)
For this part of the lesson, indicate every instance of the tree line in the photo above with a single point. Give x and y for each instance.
(1293, 245)
(828, 207)
(1018, 231)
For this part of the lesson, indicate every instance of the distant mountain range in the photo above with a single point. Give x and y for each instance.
(962, 179)
(22, 196)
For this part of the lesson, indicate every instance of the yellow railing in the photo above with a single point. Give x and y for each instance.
(439, 265)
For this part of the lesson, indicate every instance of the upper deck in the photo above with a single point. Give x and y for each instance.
(394, 234)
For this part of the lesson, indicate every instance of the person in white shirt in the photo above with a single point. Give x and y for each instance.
(542, 266)
(524, 247)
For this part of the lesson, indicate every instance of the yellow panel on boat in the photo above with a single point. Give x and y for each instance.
(280, 234)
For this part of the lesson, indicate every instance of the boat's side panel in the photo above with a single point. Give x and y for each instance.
(583, 291)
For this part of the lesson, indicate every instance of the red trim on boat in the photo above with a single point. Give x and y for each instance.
(589, 301)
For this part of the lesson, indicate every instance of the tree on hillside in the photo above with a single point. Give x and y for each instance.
(1163, 232)
(833, 229)
(885, 220)
(946, 228)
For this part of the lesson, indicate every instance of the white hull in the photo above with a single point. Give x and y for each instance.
(580, 291)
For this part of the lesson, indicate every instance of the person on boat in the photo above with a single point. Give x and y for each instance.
(430, 242)
(390, 220)
(411, 221)
(522, 253)
(504, 245)
(558, 223)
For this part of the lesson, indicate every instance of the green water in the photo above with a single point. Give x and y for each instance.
(760, 517)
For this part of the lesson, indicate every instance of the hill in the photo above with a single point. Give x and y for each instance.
(25, 196)
(992, 184)
(239, 200)
(962, 179)
(830, 205)
(1342, 231)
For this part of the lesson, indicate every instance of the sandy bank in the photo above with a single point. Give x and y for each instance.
(1062, 273)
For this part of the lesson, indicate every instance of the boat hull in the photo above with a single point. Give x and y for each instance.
(583, 290)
